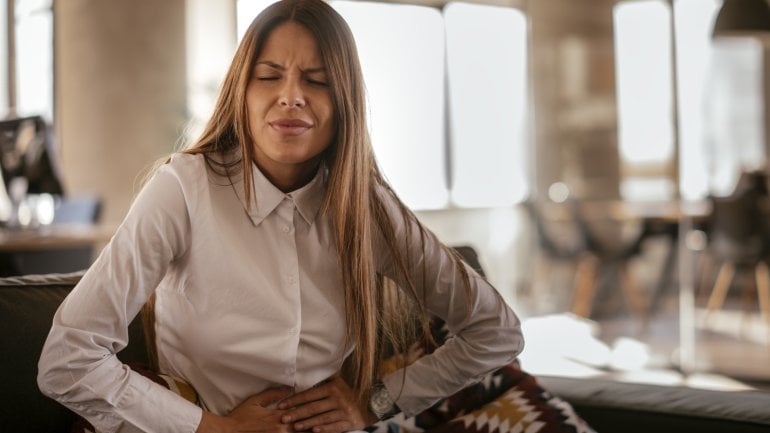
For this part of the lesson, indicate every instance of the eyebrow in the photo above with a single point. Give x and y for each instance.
(282, 68)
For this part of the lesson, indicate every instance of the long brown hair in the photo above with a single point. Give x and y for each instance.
(354, 196)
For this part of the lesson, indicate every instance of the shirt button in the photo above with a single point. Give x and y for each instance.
(291, 279)
(285, 229)
(289, 370)
(293, 331)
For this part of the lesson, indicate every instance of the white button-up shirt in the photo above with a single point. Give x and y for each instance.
(247, 299)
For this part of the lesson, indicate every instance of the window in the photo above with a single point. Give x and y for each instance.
(643, 67)
(246, 10)
(404, 75)
(735, 136)
(486, 62)
(34, 58)
(4, 102)
(645, 104)
(694, 20)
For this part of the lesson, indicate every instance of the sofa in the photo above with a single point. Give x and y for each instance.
(27, 305)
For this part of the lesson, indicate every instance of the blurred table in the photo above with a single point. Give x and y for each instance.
(54, 248)
(623, 210)
(656, 218)
(58, 236)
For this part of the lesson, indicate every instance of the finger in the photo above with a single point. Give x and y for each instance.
(271, 428)
(306, 396)
(323, 421)
(308, 410)
(271, 395)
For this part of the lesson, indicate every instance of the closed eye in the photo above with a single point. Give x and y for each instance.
(318, 83)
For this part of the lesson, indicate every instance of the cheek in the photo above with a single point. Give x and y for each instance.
(254, 103)
(329, 117)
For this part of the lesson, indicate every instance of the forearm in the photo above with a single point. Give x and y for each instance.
(480, 340)
(113, 398)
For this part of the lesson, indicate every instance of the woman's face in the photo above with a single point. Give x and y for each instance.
(291, 116)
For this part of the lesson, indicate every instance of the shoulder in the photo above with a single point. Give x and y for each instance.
(382, 193)
(392, 218)
(389, 205)
(185, 163)
(188, 169)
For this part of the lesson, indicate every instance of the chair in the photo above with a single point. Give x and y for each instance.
(611, 251)
(738, 241)
(469, 255)
(567, 246)
(26, 150)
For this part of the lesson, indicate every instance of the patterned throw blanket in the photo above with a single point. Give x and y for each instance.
(508, 400)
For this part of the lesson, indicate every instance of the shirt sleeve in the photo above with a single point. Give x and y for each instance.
(486, 336)
(78, 366)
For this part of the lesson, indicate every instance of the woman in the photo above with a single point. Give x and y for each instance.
(268, 245)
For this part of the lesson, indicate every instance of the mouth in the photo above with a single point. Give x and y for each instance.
(290, 126)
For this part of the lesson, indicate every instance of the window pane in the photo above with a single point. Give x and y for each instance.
(694, 20)
(247, 10)
(34, 58)
(210, 44)
(645, 106)
(735, 109)
(486, 62)
(402, 56)
(643, 59)
(3, 58)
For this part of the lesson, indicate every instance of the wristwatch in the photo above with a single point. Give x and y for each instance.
(380, 402)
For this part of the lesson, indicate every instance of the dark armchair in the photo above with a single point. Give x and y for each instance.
(739, 241)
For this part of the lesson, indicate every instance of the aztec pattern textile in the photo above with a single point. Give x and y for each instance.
(508, 400)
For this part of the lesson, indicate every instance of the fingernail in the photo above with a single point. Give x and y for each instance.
(299, 426)
(281, 405)
(286, 419)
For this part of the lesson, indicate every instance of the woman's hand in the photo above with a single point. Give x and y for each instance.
(329, 407)
(253, 415)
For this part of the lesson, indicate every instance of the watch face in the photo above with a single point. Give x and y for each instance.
(380, 402)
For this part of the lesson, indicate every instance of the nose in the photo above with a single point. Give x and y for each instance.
(291, 95)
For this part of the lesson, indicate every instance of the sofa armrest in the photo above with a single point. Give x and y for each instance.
(27, 307)
(630, 407)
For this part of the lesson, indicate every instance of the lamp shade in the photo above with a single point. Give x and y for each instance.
(742, 16)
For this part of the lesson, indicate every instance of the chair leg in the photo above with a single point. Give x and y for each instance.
(747, 300)
(718, 293)
(634, 296)
(585, 286)
(762, 273)
(705, 269)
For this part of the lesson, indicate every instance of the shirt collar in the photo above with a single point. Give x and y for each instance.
(267, 197)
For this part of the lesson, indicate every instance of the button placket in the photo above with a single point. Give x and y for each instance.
(290, 278)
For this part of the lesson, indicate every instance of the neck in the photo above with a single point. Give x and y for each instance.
(292, 178)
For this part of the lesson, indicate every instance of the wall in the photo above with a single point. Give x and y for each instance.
(573, 86)
(120, 93)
